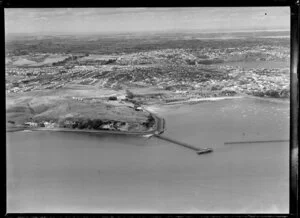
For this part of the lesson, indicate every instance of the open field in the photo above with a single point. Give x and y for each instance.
(62, 107)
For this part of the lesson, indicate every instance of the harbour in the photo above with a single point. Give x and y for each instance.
(123, 172)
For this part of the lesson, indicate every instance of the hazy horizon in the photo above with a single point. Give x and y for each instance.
(138, 20)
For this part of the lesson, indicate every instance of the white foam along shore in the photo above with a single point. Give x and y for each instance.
(157, 108)
(205, 99)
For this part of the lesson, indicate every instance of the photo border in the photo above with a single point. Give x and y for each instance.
(294, 88)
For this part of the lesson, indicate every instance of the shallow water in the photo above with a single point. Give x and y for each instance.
(68, 172)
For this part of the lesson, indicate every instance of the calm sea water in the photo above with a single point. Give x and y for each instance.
(68, 172)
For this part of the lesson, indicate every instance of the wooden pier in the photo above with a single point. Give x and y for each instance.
(198, 150)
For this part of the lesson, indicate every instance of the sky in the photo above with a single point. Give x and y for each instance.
(102, 20)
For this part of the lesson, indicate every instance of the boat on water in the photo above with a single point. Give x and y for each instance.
(27, 130)
(147, 135)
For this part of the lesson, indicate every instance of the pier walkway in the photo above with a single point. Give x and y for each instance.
(198, 150)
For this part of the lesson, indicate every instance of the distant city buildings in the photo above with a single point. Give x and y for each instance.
(178, 70)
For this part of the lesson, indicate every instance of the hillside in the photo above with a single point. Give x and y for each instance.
(66, 107)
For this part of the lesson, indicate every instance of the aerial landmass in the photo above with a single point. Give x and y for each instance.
(107, 82)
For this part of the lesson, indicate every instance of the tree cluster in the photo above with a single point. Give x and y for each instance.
(95, 124)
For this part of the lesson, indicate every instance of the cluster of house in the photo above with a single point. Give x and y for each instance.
(27, 79)
(271, 51)
(109, 125)
(41, 124)
(253, 80)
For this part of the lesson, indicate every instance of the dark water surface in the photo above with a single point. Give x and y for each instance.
(68, 172)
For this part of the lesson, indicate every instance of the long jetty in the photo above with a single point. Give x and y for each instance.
(160, 128)
(251, 142)
(198, 150)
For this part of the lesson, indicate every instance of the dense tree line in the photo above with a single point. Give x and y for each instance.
(98, 124)
(95, 124)
(150, 121)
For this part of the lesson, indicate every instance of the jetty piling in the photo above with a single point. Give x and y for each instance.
(198, 150)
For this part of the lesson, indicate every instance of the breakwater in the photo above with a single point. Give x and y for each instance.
(251, 142)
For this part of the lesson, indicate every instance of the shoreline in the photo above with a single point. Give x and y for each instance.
(275, 100)
(153, 110)
(156, 108)
(193, 100)
(158, 129)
